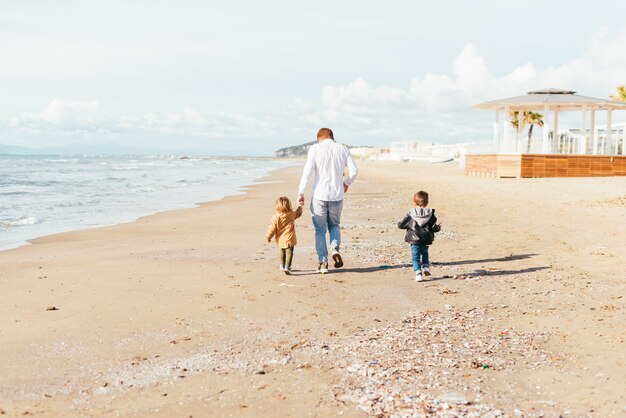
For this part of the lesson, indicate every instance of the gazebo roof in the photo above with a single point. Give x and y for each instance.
(554, 98)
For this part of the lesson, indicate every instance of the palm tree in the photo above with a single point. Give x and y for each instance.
(532, 119)
(513, 116)
(621, 94)
(527, 118)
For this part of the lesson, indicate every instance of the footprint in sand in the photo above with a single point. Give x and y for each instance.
(180, 340)
(138, 360)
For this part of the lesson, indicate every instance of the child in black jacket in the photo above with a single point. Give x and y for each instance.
(421, 225)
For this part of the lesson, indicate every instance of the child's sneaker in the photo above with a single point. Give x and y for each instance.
(287, 271)
(418, 276)
(281, 267)
(426, 271)
(323, 268)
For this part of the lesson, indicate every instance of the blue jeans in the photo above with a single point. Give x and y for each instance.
(326, 217)
(419, 251)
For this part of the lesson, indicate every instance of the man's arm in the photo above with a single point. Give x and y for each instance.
(306, 173)
(353, 171)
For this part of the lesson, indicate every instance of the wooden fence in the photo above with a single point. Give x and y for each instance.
(544, 165)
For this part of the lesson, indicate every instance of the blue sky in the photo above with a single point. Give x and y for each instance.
(247, 76)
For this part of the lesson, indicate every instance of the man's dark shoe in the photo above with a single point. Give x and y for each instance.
(337, 258)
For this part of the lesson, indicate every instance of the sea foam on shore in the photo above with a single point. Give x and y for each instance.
(42, 195)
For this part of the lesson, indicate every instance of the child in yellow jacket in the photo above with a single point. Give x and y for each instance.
(283, 226)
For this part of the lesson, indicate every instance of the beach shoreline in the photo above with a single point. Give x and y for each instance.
(184, 311)
(39, 220)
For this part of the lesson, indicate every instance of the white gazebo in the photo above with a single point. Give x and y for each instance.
(555, 101)
(561, 155)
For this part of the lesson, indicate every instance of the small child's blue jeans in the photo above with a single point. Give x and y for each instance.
(419, 256)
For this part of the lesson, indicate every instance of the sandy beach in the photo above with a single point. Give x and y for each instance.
(185, 313)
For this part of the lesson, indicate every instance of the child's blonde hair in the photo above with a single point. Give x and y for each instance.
(283, 204)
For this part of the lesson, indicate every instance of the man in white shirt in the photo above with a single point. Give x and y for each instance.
(327, 160)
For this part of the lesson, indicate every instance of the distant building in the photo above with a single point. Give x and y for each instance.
(422, 151)
(367, 153)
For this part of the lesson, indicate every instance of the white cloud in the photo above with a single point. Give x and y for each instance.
(596, 72)
(69, 116)
(359, 92)
(301, 105)
(433, 106)
(437, 107)
(60, 111)
(190, 125)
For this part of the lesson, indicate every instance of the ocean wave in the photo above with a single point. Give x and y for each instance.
(61, 160)
(79, 203)
(35, 183)
(13, 193)
(66, 196)
(21, 221)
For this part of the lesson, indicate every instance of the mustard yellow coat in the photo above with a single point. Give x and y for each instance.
(283, 226)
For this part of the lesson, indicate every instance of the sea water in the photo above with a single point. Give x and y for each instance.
(43, 195)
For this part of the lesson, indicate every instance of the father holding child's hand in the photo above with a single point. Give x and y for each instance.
(327, 160)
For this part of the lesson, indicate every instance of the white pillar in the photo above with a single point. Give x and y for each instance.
(555, 128)
(518, 131)
(582, 147)
(507, 125)
(594, 134)
(624, 139)
(545, 146)
(609, 131)
(496, 132)
(616, 142)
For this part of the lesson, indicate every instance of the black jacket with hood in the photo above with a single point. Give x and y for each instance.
(421, 225)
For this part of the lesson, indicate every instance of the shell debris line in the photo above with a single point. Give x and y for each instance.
(431, 364)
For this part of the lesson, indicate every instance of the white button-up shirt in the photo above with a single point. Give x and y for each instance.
(327, 160)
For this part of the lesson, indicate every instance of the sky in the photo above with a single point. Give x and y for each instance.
(248, 77)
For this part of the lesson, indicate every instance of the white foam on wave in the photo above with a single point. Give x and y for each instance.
(91, 192)
(21, 221)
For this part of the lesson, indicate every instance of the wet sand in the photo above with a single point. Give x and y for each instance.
(185, 313)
